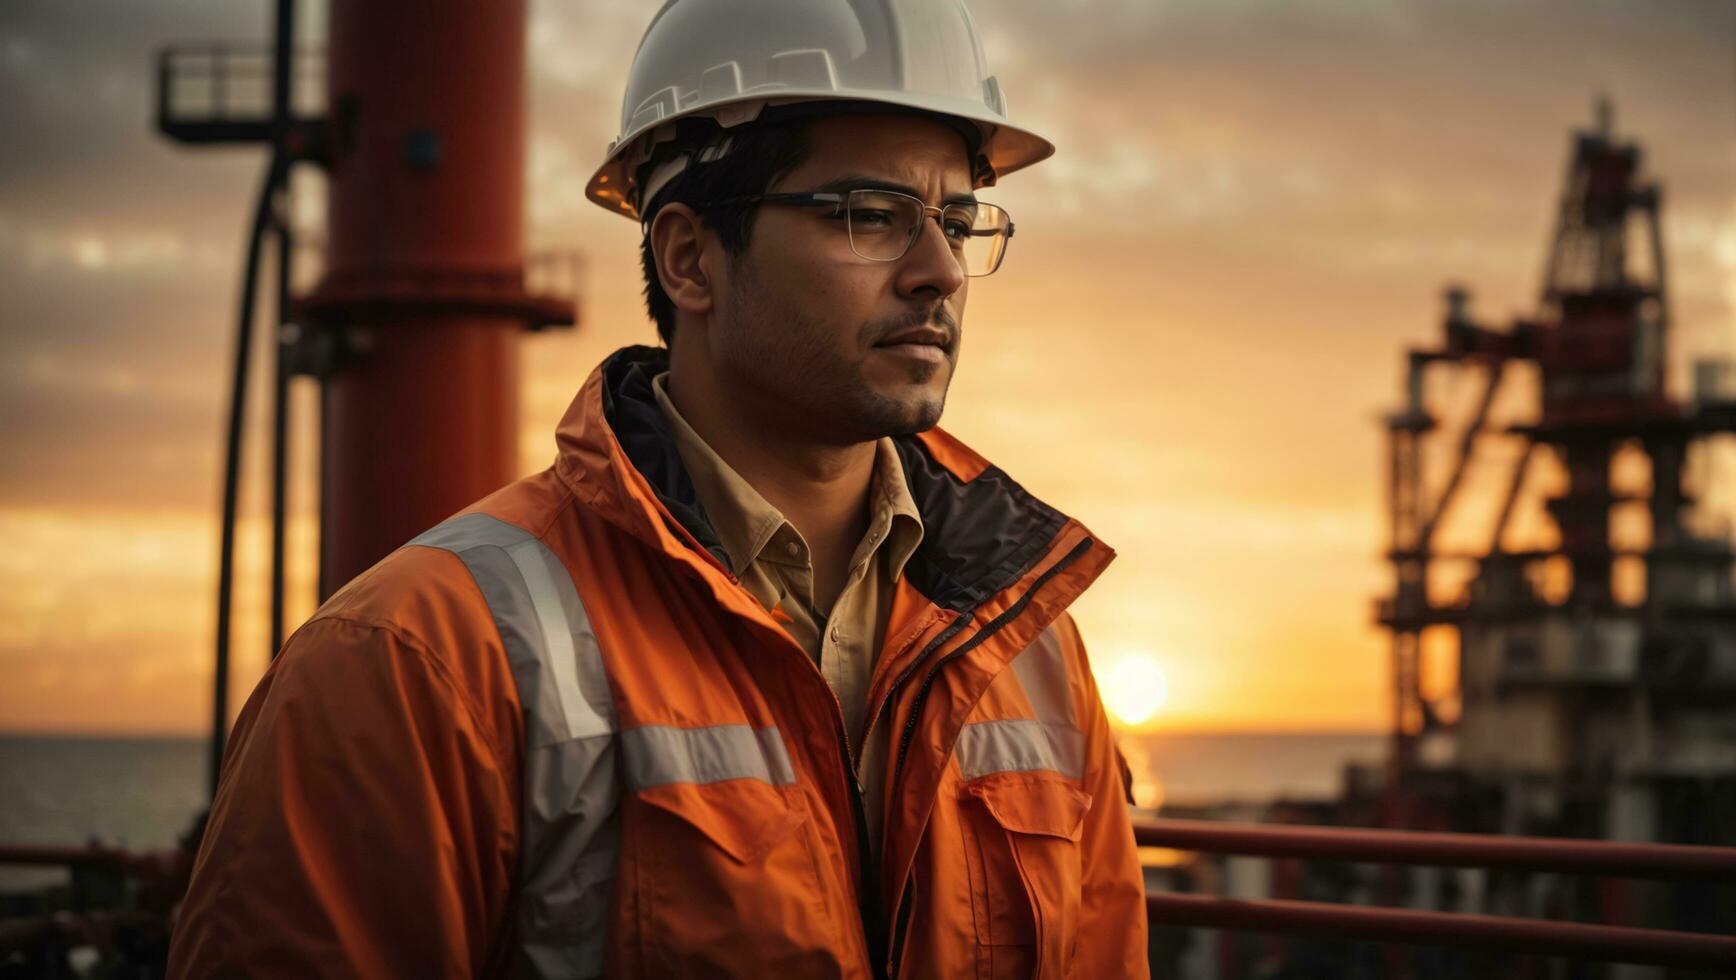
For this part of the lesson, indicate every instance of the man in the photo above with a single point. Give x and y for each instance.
(766, 674)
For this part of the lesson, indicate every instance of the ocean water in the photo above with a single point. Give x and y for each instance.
(144, 793)
(1249, 767)
(138, 793)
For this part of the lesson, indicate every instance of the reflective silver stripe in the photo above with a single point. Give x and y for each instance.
(566, 648)
(1042, 671)
(571, 831)
(543, 625)
(1020, 745)
(657, 755)
(1052, 740)
(572, 836)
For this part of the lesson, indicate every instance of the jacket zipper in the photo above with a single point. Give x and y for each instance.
(989, 629)
(868, 883)
(867, 889)
(868, 886)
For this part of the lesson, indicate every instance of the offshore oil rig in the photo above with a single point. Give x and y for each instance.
(1596, 692)
(1591, 674)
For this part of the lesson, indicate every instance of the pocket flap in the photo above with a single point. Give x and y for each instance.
(1033, 803)
(746, 818)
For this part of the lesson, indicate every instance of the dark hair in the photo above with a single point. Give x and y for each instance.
(759, 154)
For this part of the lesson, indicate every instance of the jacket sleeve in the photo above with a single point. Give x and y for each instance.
(1112, 912)
(363, 824)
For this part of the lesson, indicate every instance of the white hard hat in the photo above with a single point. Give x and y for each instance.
(727, 60)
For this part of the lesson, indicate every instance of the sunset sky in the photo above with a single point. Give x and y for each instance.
(1253, 210)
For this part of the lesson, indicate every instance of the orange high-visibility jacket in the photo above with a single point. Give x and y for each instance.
(553, 737)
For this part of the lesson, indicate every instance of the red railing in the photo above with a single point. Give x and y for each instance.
(138, 925)
(95, 857)
(1620, 944)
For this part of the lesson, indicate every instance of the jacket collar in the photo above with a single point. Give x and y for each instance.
(982, 531)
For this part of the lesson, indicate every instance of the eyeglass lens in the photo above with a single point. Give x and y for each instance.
(884, 224)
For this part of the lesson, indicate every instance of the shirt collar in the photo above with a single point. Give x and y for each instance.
(904, 520)
(746, 522)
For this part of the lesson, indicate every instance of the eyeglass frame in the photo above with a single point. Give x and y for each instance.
(837, 199)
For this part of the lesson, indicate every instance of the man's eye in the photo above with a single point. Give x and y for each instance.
(957, 230)
(870, 217)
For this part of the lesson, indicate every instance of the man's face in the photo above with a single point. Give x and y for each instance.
(806, 331)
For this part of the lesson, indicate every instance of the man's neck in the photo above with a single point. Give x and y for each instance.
(821, 489)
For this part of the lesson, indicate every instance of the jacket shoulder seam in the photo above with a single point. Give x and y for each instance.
(569, 500)
(438, 668)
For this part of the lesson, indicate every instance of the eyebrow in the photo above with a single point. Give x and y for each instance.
(863, 182)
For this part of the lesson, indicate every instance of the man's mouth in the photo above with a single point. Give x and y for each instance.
(912, 340)
(926, 352)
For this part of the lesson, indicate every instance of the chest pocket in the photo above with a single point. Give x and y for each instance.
(718, 877)
(1021, 847)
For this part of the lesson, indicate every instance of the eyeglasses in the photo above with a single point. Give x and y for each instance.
(884, 224)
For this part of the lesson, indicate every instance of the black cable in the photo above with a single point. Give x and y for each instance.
(232, 463)
(322, 585)
(279, 423)
(267, 214)
(282, 119)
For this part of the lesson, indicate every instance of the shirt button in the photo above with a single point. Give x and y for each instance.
(837, 635)
(793, 548)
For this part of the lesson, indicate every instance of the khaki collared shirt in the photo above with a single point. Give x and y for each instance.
(768, 555)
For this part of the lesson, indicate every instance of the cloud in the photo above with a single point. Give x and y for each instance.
(79, 81)
(114, 251)
(1205, 113)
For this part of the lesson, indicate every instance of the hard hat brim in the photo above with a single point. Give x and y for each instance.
(1004, 148)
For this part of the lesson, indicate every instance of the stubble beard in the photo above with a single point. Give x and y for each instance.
(796, 382)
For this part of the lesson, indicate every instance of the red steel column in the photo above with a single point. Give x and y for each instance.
(424, 255)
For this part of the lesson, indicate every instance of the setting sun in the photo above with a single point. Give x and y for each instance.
(1134, 689)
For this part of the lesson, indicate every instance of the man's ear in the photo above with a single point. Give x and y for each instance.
(685, 252)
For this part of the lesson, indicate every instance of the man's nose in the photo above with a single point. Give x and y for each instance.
(930, 266)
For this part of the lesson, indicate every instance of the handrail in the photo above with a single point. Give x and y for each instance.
(229, 84)
(96, 857)
(1613, 858)
(1616, 944)
(1537, 937)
